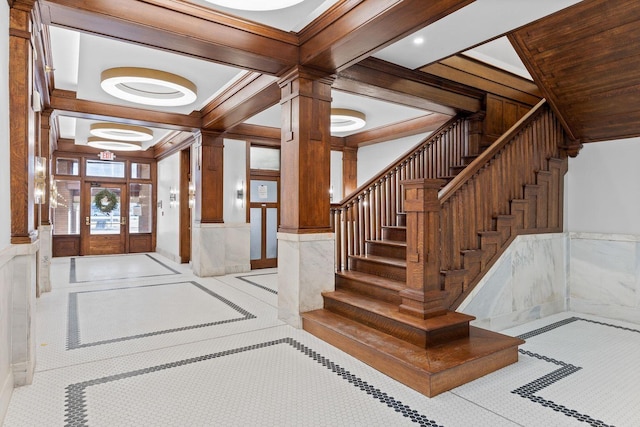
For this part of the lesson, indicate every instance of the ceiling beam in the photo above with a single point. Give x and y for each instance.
(411, 127)
(66, 104)
(354, 30)
(179, 27)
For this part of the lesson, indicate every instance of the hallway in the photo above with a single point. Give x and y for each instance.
(137, 340)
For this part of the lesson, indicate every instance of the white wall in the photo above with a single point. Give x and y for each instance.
(374, 158)
(336, 175)
(235, 175)
(604, 188)
(168, 225)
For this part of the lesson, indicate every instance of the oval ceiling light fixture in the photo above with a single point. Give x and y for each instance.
(106, 144)
(121, 132)
(147, 86)
(256, 5)
(345, 120)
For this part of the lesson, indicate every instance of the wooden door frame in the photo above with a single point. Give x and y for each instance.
(85, 211)
(185, 208)
(264, 176)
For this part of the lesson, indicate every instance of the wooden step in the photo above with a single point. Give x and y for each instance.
(455, 170)
(386, 317)
(391, 268)
(370, 285)
(401, 218)
(396, 233)
(387, 248)
(429, 371)
(468, 159)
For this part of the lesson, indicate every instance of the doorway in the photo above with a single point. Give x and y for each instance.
(105, 219)
(264, 211)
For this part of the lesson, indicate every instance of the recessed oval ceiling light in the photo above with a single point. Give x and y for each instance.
(105, 144)
(148, 87)
(121, 132)
(418, 41)
(255, 5)
(344, 120)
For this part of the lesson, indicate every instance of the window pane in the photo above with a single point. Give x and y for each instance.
(272, 233)
(105, 222)
(105, 169)
(65, 202)
(67, 167)
(265, 158)
(140, 209)
(264, 191)
(140, 171)
(256, 234)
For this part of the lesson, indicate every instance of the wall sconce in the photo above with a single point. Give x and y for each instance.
(192, 195)
(40, 175)
(173, 197)
(53, 193)
(240, 194)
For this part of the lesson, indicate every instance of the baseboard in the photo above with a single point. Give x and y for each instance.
(5, 396)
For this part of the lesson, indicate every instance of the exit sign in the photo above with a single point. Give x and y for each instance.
(106, 155)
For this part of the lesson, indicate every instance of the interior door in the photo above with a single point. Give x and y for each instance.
(105, 219)
(265, 219)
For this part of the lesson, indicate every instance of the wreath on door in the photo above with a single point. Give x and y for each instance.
(105, 201)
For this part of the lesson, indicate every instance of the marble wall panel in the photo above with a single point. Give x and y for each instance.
(6, 297)
(237, 248)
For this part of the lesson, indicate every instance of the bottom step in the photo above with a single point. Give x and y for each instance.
(429, 371)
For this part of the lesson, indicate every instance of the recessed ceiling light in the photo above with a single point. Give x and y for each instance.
(255, 4)
(148, 87)
(418, 41)
(344, 120)
(121, 132)
(105, 144)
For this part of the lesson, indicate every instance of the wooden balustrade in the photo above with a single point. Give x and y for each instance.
(362, 215)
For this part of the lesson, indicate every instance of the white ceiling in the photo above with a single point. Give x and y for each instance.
(78, 59)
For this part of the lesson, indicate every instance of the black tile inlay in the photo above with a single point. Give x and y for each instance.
(73, 327)
(73, 277)
(76, 404)
(258, 285)
(528, 391)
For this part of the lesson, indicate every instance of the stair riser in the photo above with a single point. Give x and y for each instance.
(368, 289)
(398, 252)
(395, 234)
(395, 328)
(382, 270)
(402, 219)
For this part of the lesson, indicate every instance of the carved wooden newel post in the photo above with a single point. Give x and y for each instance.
(423, 296)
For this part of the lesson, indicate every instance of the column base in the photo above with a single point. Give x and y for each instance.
(219, 249)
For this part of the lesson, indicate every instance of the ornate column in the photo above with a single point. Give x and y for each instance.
(305, 239)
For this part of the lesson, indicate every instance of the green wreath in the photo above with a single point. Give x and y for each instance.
(111, 201)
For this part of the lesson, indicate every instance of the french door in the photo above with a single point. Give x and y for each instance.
(105, 213)
(264, 211)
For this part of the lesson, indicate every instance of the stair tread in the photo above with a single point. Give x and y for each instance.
(391, 311)
(389, 243)
(381, 260)
(438, 358)
(398, 227)
(382, 282)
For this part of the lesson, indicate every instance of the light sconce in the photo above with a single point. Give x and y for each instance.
(240, 194)
(53, 193)
(40, 179)
(173, 197)
(192, 195)
(344, 120)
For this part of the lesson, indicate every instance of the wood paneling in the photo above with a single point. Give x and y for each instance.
(349, 170)
(185, 208)
(209, 179)
(585, 59)
(140, 243)
(501, 114)
(66, 246)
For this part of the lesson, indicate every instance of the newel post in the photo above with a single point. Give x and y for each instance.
(423, 296)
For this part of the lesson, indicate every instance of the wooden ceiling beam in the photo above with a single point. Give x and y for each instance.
(180, 27)
(354, 30)
(66, 104)
(398, 130)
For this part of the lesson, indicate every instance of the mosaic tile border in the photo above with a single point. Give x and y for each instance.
(73, 279)
(258, 285)
(73, 327)
(528, 390)
(76, 401)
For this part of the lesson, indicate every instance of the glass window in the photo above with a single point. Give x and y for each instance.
(140, 171)
(106, 203)
(67, 167)
(140, 209)
(105, 169)
(65, 203)
(265, 158)
(264, 191)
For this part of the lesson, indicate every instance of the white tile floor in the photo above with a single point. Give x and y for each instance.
(139, 341)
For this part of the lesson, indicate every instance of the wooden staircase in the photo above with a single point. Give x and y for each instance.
(409, 251)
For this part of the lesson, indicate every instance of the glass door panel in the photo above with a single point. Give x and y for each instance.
(105, 219)
(105, 210)
(264, 217)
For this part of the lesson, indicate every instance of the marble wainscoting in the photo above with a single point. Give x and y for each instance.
(44, 259)
(528, 282)
(6, 297)
(604, 276)
(219, 249)
(305, 270)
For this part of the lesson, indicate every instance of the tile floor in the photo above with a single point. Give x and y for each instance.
(137, 340)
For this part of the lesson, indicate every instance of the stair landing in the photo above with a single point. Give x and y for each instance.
(431, 370)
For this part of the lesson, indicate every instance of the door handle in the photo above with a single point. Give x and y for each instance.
(87, 221)
(123, 220)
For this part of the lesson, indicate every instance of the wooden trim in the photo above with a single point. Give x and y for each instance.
(170, 146)
(185, 209)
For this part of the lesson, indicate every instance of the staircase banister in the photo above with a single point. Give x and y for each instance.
(358, 191)
(456, 183)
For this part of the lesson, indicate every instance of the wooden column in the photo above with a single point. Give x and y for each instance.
(305, 152)
(349, 170)
(209, 179)
(476, 127)
(22, 128)
(423, 296)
